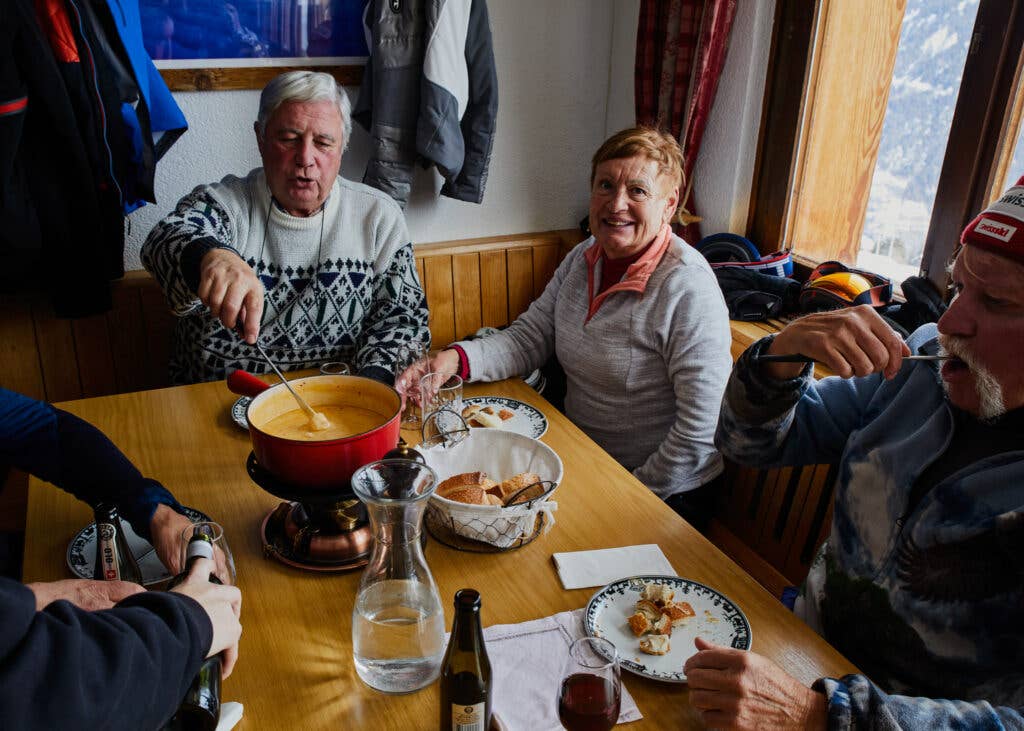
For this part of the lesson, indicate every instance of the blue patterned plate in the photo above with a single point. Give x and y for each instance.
(718, 620)
(238, 411)
(81, 554)
(526, 419)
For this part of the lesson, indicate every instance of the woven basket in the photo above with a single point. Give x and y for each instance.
(501, 454)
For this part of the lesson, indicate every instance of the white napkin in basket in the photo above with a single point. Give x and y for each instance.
(579, 569)
(526, 666)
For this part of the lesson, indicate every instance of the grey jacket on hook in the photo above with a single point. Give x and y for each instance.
(429, 93)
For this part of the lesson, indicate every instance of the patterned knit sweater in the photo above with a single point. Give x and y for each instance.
(340, 285)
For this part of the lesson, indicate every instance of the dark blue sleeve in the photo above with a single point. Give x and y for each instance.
(121, 668)
(77, 457)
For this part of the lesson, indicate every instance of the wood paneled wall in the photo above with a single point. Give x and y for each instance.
(469, 284)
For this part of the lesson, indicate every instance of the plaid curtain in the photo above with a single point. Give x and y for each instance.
(680, 52)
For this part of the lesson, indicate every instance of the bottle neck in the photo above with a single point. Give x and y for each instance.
(198, 548)
(466, 628)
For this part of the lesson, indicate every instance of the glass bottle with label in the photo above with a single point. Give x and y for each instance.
(466, 671)
(200, 708)
(114, 559)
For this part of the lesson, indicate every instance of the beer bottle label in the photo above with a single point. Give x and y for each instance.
(105, 534)
(468, 718)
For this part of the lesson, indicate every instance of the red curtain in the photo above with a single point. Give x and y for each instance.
(680, 52)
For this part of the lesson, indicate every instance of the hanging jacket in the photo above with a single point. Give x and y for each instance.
(76, 149)
(429, 93)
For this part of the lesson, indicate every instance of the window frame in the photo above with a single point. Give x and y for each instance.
(988, 109)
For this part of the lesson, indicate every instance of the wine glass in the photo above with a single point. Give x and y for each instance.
(335, 368)
(410, 354)
(438, 391)
(222, 558)
(591, 689)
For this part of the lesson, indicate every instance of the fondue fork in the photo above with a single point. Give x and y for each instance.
(316, 419)
(797, 358)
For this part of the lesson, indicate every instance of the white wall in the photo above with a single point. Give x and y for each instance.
(565, 81)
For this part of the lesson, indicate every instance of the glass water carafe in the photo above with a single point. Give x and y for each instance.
(397, 621)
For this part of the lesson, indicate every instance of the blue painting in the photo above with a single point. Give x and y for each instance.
(183, 30)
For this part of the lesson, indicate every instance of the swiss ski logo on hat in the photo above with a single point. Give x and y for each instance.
(995, 229)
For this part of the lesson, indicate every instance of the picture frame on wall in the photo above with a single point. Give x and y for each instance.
(202, 45)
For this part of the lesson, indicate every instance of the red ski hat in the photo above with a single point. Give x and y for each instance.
(1000, 227)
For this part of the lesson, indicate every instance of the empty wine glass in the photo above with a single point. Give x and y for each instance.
(410, 355)
(591, 689)
(438, 391)
(222, 558)
(335, 368)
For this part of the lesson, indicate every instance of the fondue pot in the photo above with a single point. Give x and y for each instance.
(319, 466)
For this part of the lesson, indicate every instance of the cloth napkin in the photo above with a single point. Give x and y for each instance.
(230, 714)
(579, 569)
(526, 666)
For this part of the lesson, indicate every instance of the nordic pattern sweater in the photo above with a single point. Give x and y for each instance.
(644, 375)
(340, 285)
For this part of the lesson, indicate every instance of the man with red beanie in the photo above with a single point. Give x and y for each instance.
(921, 583)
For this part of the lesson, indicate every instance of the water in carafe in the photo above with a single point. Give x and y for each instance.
(398, 636)
(397, 620)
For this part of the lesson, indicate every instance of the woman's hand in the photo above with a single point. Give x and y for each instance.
(854, 341)
(736, 689)
(408, 382)
(223, 604)
(87, 594)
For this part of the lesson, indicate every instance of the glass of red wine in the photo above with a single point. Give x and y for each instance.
(591, 689)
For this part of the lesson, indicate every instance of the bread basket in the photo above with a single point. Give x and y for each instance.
(501, 454)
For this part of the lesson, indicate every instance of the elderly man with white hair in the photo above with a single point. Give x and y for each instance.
(317, 267)
(920, 583)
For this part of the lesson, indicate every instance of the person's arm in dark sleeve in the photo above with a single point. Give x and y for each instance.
(77, 457)
(121, 668)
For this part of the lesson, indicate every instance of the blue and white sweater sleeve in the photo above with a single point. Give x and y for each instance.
(176, 245)
(398, 312)
(856, 702)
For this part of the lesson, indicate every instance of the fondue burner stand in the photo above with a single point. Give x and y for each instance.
(322, 530)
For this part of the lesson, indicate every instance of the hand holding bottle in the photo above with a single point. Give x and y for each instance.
(223, 604)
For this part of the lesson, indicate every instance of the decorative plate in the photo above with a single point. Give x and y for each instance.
(718, 620)
(82, 551)
(238, 411)
(526, 419)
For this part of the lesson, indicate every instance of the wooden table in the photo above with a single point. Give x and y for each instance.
(295, 668)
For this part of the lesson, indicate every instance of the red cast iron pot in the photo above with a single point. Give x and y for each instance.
(319, 466)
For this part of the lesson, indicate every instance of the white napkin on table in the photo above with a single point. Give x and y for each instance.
(230, 714)
(526, 667)
(579, 569)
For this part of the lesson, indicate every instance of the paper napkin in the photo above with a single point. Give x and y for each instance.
(526, 667)
(579, 569)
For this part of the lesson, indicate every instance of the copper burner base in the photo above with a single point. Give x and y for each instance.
(291, 538)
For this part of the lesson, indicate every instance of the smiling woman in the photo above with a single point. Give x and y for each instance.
(650, 306)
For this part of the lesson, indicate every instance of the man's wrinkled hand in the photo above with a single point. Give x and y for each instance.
(736, 689)
(86, 594)
(854, 341)
(232, 291)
